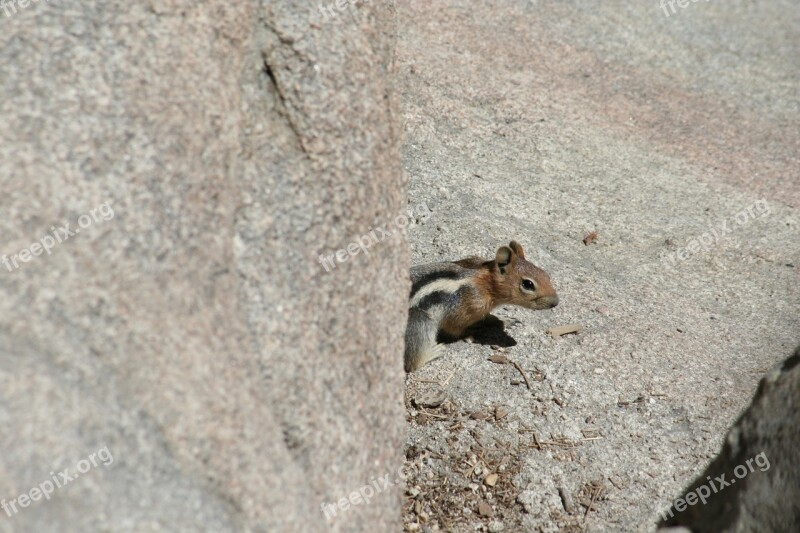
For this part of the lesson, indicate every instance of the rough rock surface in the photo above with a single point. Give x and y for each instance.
(545, 121)
(190, 334)
(189, 328)
(754, 482)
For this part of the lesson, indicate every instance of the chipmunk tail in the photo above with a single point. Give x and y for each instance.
(421, 346)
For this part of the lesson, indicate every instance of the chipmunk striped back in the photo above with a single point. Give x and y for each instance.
(449, 297)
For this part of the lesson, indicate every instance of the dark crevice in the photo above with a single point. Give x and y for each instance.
(283, 108)
(270, 75)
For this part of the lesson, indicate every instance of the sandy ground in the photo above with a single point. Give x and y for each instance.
(674, 138)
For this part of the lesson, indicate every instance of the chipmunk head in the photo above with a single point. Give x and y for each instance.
(520, 281)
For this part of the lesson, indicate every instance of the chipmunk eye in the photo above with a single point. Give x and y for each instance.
(527, 285)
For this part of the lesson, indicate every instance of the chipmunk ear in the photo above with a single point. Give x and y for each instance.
(517, 247)
(504, 257)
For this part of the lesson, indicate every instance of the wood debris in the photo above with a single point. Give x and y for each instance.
(558, 331)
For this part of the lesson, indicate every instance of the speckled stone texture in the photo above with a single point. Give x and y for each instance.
(194, 333)
(754, 482)
(543, 122)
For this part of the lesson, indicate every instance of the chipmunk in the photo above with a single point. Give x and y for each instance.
(447, 298)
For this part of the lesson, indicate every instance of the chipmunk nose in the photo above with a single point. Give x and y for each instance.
(550, 301)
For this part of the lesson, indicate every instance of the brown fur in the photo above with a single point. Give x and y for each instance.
(507, 279)
(497, 283)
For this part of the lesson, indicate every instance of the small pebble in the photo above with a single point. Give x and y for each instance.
(432, 399)
(566, 500)
(484, 509)
(496, 527)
